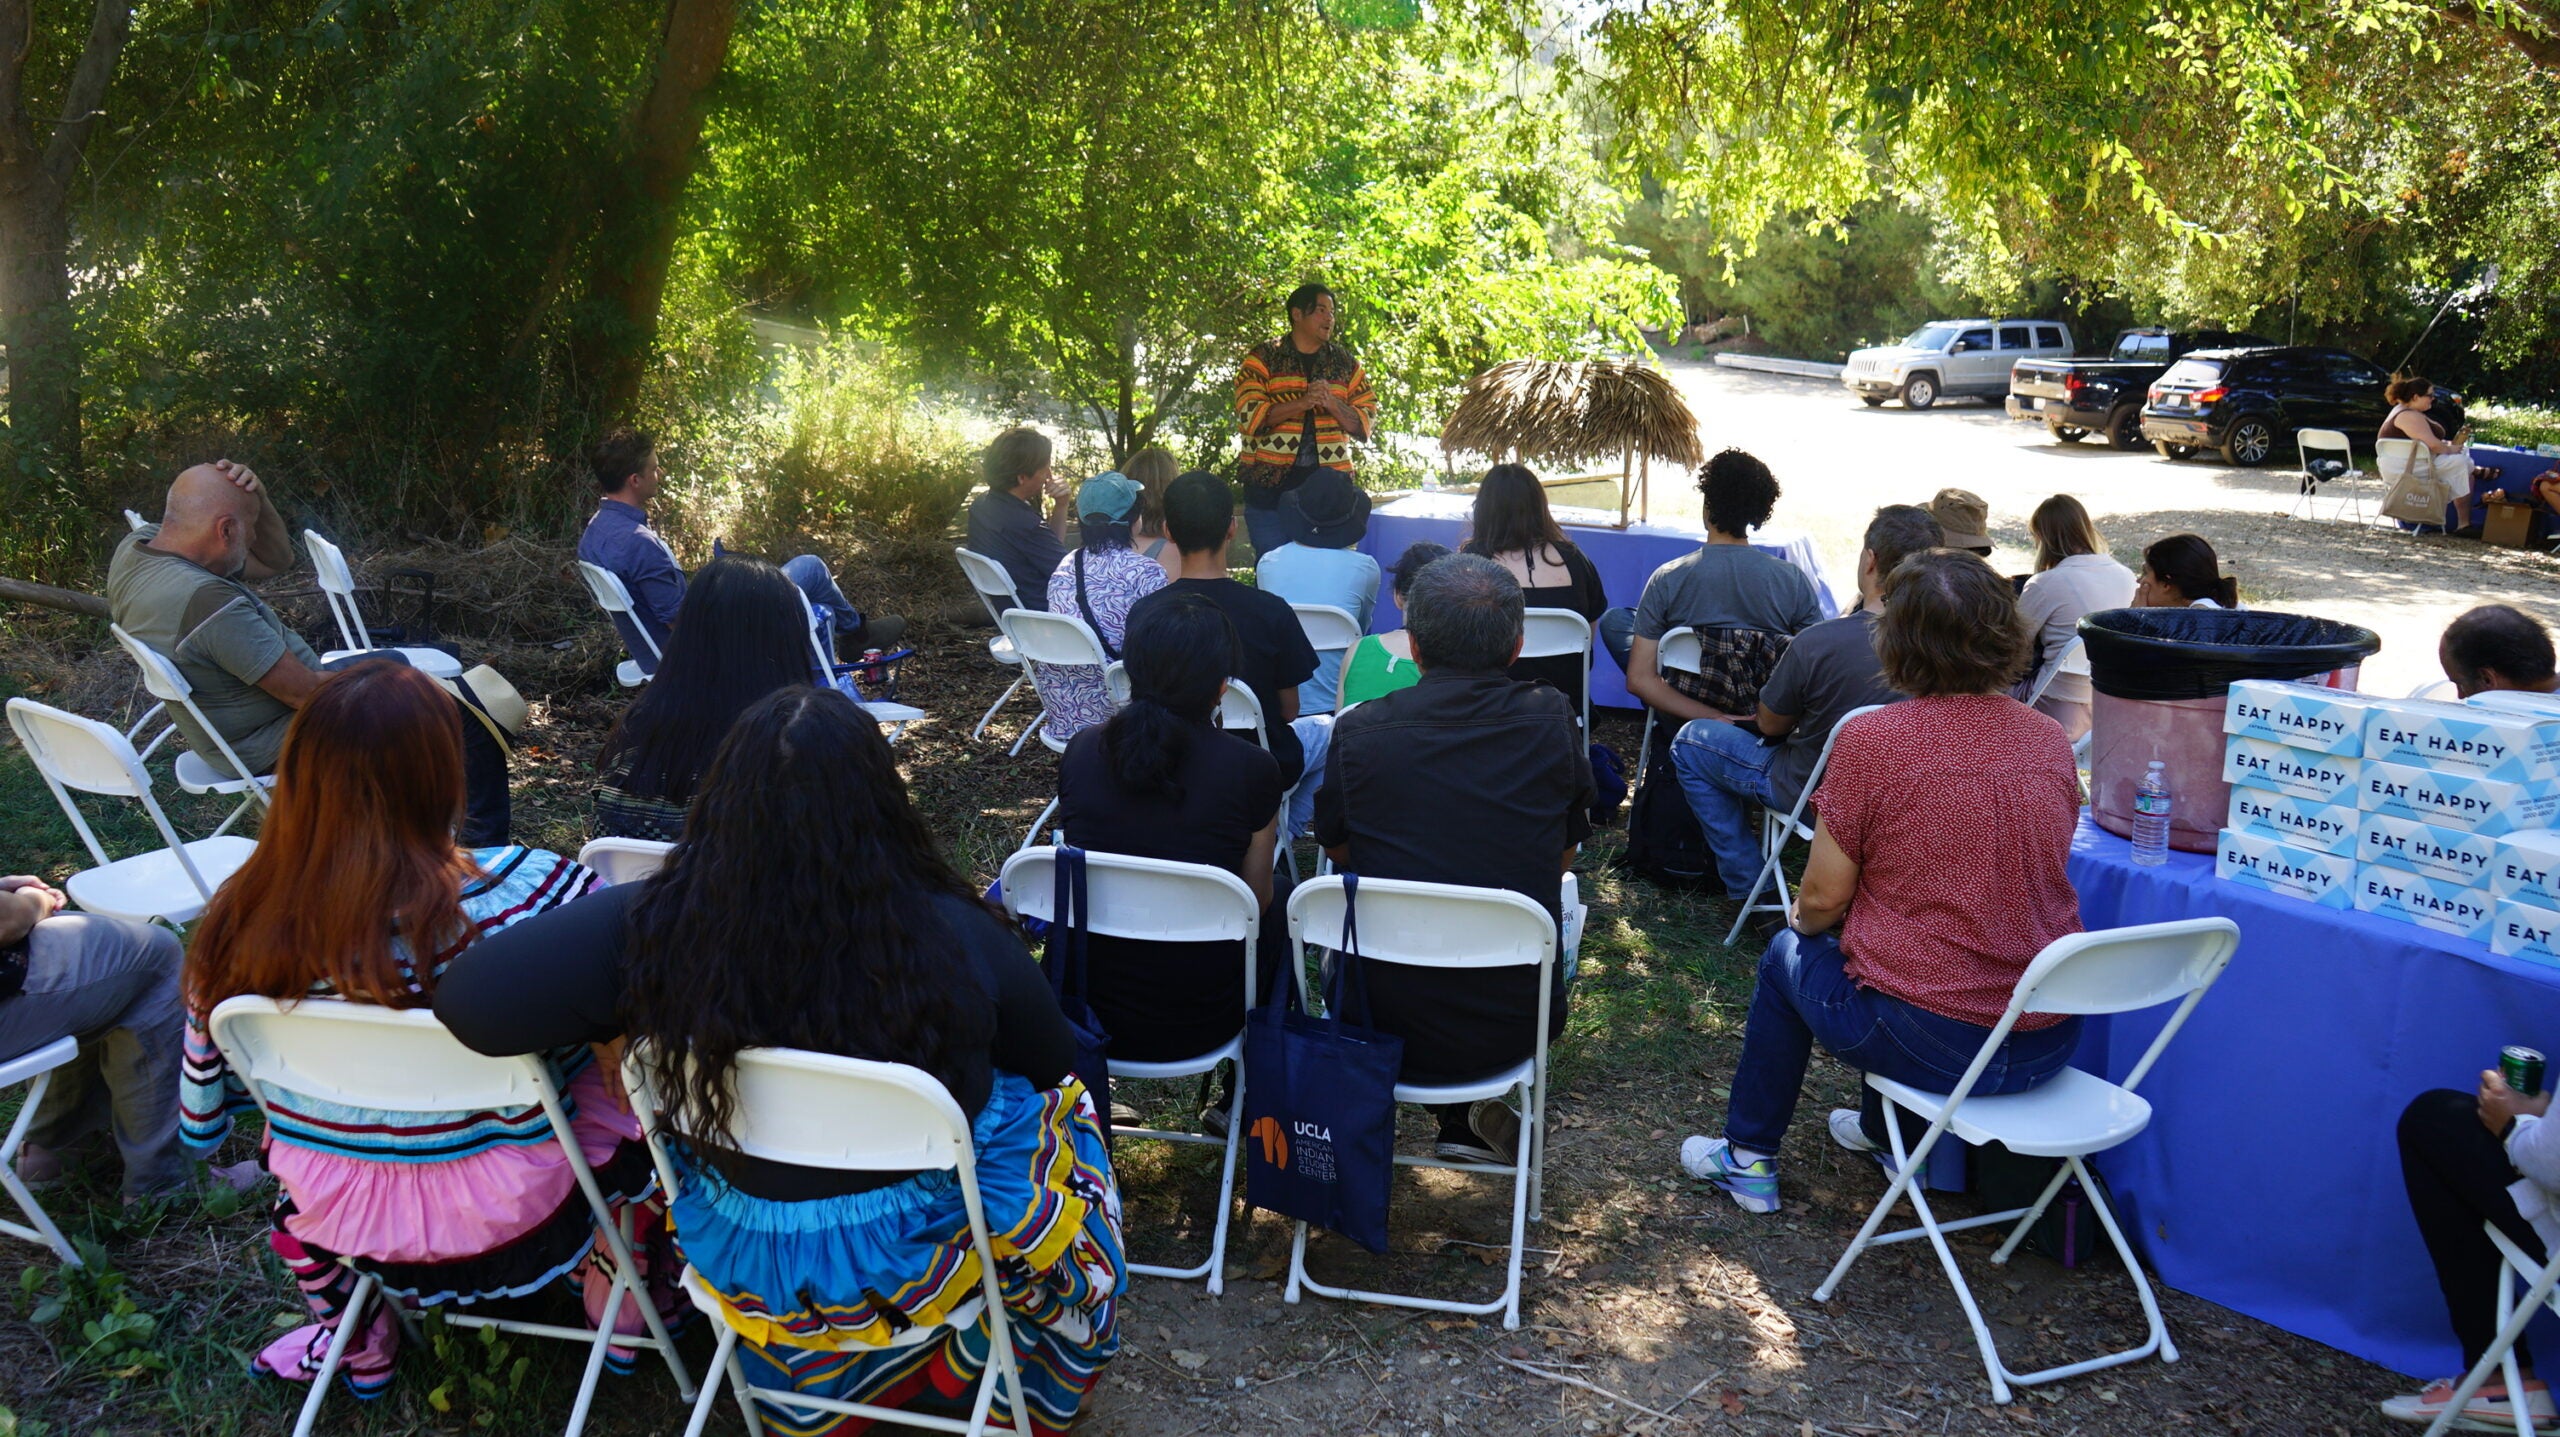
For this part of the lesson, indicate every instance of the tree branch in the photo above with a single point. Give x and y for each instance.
(70, 601)
(86, 98)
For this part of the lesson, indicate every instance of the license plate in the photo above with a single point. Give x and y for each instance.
(2036, 404)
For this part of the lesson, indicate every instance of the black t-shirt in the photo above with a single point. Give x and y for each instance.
(1575, 586)
(557, 979)
(1277, 656)
(1163, 1001)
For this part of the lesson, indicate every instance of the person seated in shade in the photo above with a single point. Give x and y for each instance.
(739, 637)
(1932, 945)
(618, 539)
(1731, 770)
(2182, 572)
(1469, 778)
(1151, 469)
(1324, 519)
(1096, 582)
(2074, 577)
(2496, 647)
(1513, 527)
(855, 937)
(357, 890)
(1383, 663)
(1005, 522)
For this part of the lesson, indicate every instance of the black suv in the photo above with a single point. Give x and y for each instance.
(2247, 403)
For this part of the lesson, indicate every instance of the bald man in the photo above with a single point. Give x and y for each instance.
(182, 587)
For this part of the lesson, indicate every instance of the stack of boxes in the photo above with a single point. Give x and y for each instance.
(2437, 814)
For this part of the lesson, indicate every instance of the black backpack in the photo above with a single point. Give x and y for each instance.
(1665, 846)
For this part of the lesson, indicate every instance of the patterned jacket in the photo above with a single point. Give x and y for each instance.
(1275, 373)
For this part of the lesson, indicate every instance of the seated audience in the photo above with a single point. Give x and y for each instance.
(1200, 511)
(1965, 519)
(1324, 520)
(856, 937)
(2442, 473)
(1162, 780)
(1005, 523)
(1757, 601)
(1096, 582)
(114, 986)
(618, 539)
(738, 639)
(2467, 1159)
(182, 587)
(357, 890)
(1469, 778)
(1731, 770)
(2074, 577)
(1932, 948)
(2182, 572)
(1514, 528)
(1151, 469)
(2495, 647)
(1383, 663)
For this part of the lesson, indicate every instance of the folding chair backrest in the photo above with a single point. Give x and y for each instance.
(162, 680)
(2324, 441)
(1240, 708)
(1822, 760)
(78, 752)
(624, 860)
(1329, 630)
(1046, 638)
(133, 520)
(1680, 649)
(397, 1059)
(2119, 970)
(338, 588)
(1427, 925)
(1552, 633)
(2076, 651)
(809, 625)
(993, 584)
(818, 1110)
(611, 596)
(1154, 899)
(2395, 457)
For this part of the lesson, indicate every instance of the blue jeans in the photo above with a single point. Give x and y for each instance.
(1315, 735)
(836, 613)
(1804, 997)
(1265, 528)
(1724, 770)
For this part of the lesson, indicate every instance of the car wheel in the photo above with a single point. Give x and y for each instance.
(2168, 450)
(1872, 401)
(2124, 430)
(2249, 444)
(2066, 433)
(1920, 391)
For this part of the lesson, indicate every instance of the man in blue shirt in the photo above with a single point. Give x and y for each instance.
(619, 540)
(1324, 518)
(1005, 522)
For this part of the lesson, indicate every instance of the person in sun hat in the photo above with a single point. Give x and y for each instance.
(1325, 519)
(1097, 581)
(1964, 518)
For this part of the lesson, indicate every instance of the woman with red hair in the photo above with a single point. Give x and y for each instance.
(358, 890)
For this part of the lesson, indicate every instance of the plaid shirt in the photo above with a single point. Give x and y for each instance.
(1732, 665)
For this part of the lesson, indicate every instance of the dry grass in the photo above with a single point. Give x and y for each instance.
(1585, 412)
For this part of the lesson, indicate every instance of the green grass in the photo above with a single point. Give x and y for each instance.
(2521, 426)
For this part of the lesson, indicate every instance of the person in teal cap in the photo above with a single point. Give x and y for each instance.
(1097, 582)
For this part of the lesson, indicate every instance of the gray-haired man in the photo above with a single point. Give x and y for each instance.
(1467, 777)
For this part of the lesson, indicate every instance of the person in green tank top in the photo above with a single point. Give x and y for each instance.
(1383, 663)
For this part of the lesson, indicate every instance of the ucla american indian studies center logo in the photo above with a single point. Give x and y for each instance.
(1299, 1147)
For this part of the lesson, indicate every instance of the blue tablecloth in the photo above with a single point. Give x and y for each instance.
(2517, 469)
(1625, 558)
(2269, 1179)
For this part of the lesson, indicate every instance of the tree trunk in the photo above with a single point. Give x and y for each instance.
(638, 236)
(35, 231)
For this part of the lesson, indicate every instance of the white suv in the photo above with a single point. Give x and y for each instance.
(1952, 356)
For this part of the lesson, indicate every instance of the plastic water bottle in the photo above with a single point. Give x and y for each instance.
(2151, 817)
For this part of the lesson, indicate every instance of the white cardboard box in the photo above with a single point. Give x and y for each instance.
(2521, 930)
(2454, 799)
(2321, 778)
(2260, 861)
(2333, 828)
(2453, 854)
(2298, 715)
(2527, 868)
(2498, 743)
(2456, 908)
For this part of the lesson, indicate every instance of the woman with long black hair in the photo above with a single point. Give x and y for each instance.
(741, 635)
(1515, 528)
(855, 937)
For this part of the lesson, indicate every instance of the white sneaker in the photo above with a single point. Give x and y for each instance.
(1753, 1186)
(1849, 1133)
(2489, 1410)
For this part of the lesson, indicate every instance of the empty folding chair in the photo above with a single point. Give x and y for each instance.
(338, 588)
(606, 588)
(1329, 630)
(893, 716)
(36, 1071)
(404, 1061)
(1777, 829)
(2334, 450)
(2515, 1266)
(2073, 1115)
(1680, 649)
(1045, 638)
(817, 1110)
(169, 885)
(1552, 633)
(994, 588)
(617, 861)
(194, 772)
(1162, 902)
(1438, 925)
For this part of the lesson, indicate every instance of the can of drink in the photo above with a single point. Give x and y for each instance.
(2522, 1068)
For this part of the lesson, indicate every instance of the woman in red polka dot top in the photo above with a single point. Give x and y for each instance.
(1945, 821)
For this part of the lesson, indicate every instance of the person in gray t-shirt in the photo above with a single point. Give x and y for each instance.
(1730, 770)
(1723, 584)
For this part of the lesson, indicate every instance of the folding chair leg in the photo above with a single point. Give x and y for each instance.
(349, 1322)
(724, 1363)
(2043, 1200)
(1768, 866)
(1037, 824)
(1644, 754)
(1226, 1187)
(1520, 1184)
(617, 1238)
(594, 1373)
(1025, 736)
(2159, 1337)
(2519, 1316)
(44, 1230)
(1297, 1263)
(2507, 1361)
(737, 1371)
(1990, 1350)
(1001, 700)
(245, 805)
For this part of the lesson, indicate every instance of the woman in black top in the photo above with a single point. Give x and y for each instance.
(808, 907)
(1514, 528)
(740, 634)
(1161, 780)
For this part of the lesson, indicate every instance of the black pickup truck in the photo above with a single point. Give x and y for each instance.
(2077, 397)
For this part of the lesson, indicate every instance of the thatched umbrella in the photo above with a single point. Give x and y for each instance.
(1559, 412)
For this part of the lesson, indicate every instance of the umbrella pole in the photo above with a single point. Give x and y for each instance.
(1644, 489)
(1626, 481)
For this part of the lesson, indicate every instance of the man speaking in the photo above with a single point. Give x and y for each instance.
(1301, 400)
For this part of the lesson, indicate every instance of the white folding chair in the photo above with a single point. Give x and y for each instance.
(817, 1110)
(404, 1061)
(1040, 637)
(1776, 829)
(133, 520)
(1554, 633)
(2393, 458)
(605, 586)
(1439, 925)
(2539, 1279)
(2433, 689)
(195, 773)
(2072, 1115)
(2074, 659)
(1681, 650)
(2334, 444)
(995, 591)
(894, 716)
(338, 589)
(1162, 902)
(170, 885)
(617, 861)
(1329, 630)
(36, 1071)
